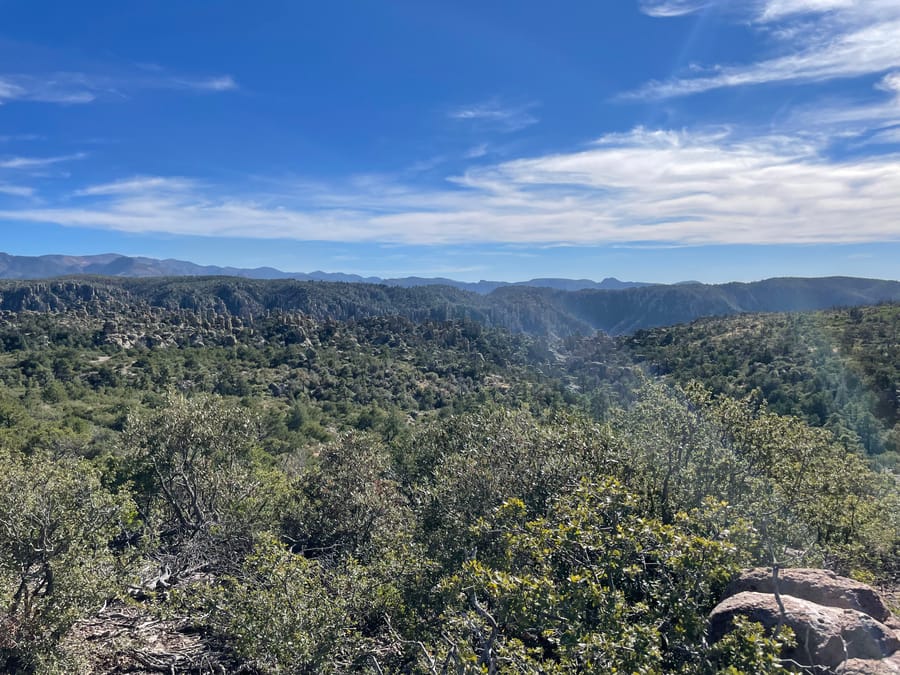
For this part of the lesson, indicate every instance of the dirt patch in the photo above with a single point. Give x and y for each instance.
(130, 639)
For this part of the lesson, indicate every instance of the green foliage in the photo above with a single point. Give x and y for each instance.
(56, 523)
(837, 369)
(196, 484)
(285, 613)
(340, 491)
(305, 378)
(459, 471)
(814, 501)
(592, 586)
(748, 650)
(347, 503)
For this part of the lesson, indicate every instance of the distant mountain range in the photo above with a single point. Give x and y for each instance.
(115, 265)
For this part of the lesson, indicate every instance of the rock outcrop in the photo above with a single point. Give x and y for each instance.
(840, 625)
(887, 666)
(823, 587)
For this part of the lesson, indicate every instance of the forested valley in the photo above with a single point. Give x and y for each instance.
(407, 481)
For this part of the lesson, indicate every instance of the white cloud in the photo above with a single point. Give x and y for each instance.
(667, 8)
(889, 136)
(774, 10)
(16, 190)
(846, 118)
(493, 113)
(646, 186)
(223, 83)
(891, 83)
(137, 185)
(477, 151)
(25, 163)
(818, 40)
(49, 89)
(79, 88)
(19, 137)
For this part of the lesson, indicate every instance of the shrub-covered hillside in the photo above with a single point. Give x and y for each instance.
(537, 311)
(204, 492)
(839, 369)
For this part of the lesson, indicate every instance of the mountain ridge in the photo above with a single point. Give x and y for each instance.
(537, 311)
(118, 265)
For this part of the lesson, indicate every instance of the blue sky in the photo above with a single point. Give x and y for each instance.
(655, 140)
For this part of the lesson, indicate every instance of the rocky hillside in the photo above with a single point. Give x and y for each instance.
(530, 310)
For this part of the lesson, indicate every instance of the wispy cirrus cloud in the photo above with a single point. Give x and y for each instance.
(493, 113)
(847, 118)
(14, 138)
(66, 88)
(138, 185)
(642, 187)
(888, 136)
(816, 40)
(667, 8)
(773, 10)
(26, 163)
(73, 88)
(16, 190)
(221, 83)
(477, 151)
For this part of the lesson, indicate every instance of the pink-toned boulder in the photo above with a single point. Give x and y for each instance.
(826, 636)
(820, 586)
(888, 666)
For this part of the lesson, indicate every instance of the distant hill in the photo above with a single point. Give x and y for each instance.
(115, 265)
(538, 311)
(835, 368)
(626, 311)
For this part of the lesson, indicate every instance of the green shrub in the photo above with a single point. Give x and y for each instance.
(56, 566)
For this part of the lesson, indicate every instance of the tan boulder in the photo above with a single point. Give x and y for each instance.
(888, 666)
(826, 636)
(823, 587)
